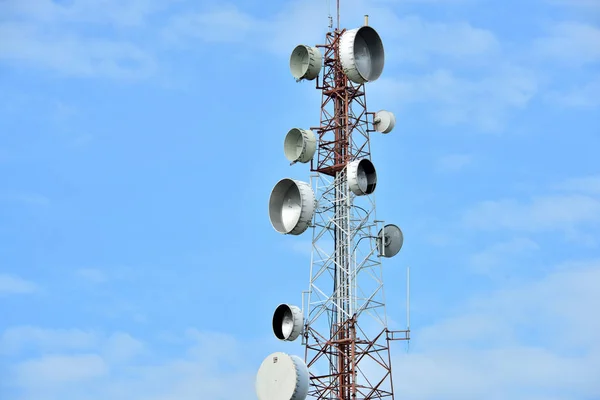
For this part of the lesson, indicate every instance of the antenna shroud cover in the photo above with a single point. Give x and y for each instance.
(287, 322)
(291, 206)
(299, 145)
(305, 62)
(389, 240)
(361, 54)
(282, 377)
(362, 177)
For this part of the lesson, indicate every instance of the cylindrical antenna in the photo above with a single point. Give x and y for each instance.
(338, 14)
(366, 20)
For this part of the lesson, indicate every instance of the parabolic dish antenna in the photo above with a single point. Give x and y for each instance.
(305, 62)
(287, 322)
(389, 240)
(384, 121)
(291, 206)
(300, 145)
(361, 54)
(282, 377)
(362, 177)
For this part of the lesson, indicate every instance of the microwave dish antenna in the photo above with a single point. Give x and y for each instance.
(384, 121)
(282, 377)
(291, 206)
(362, 177)
(287, 322)
(361, 54)
(389, 240)
(305, 62)
(299, 145)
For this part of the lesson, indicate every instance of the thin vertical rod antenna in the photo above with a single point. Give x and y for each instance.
(408, 298)
(338, 14)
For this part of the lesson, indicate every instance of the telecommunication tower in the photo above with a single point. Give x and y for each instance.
(342, 322)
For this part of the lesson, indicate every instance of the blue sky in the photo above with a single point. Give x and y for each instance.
(139, 142)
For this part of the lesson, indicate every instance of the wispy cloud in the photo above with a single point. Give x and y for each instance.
(55, 35)
(72, 53)
(223, 24)
(93, 275)
(456, 99)
(110, 12)
(10, 284)
(212, 365)
(504, 343)
(17, 339)
(453, 162)
(587, 184)
(50, 370)
(500, 257)
(550, 212)
(570, 43)
(117, 347)
(579, 96)
(227, 23)
(417, 40)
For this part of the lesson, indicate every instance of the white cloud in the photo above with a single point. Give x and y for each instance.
(500, 257)
(117, 347)
(570, 43)
(56, 36)
(582, 96)
(417, 40)
(53, 370)
(10, 284)
(407, 39)
(553, 212)
(519, 372)
(226, 23)
(213, 366)
(121, 347)
(588, 184)
(16, 339)
(533, 341)
(572, 208)
(71, 53)
(110, 12)
(453, 162)
(484, 102)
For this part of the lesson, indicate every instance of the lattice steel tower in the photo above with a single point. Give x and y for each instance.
(342, 322)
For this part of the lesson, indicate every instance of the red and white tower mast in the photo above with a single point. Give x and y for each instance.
(343, 322)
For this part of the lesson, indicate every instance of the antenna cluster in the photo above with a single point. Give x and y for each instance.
(338, 151)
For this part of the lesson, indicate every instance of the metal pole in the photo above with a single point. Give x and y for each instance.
(338, 14)
(408, 298)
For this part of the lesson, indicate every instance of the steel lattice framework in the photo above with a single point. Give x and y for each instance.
(345, 335)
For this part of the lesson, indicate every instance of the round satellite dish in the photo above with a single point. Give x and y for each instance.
(299, 145)
(291, 206)
(362, 177)
(361, 54)
(389, 240)
(287, 322)
(305, 62)
(282, 377)
(384, 121)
